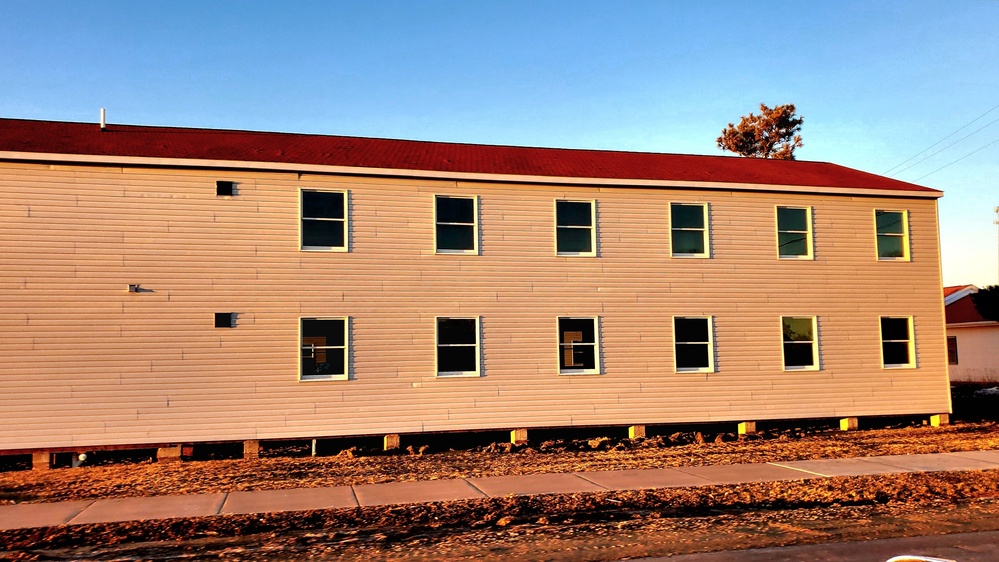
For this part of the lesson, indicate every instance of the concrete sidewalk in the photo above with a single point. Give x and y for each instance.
(30, 515)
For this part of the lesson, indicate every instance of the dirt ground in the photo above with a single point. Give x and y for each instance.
(602, 526)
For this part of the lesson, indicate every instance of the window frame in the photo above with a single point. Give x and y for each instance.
(710, 343)
(592, 227)
(346, 221)
(596, 347)
(816, 365)
(911, 343)
(906, 250)
(706, 231)
(952, 359)
(810, 252)
(346, 350)
(475, 226)
(478, 349)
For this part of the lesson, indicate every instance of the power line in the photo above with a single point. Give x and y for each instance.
(923, 159)
(943, 139)
(956, 161)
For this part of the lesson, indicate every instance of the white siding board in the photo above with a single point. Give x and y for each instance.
(75, 236)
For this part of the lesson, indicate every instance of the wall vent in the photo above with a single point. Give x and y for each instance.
(225, 319)
(223, 187)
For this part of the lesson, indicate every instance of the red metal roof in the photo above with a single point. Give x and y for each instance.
(963, 311)
(948, 291)
(55, 137)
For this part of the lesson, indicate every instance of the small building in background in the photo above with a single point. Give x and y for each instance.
(972, 340)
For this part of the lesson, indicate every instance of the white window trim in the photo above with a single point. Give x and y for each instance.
(478, 346)
(346, 222)
(346, 351)
(911, 344)
(711, 346)
(596, 347)
(475, 226)
(815, 366)
(906, 251)
(810, 254)
(592, 227)
(706, 231)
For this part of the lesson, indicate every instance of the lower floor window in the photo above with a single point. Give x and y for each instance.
(324, 348)
(801, 350)
(578, 346)
(692, 344)
(457, 347)
(896, 342)
(952, 350)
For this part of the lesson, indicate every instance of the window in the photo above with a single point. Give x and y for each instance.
(324, 349)
(896, 342)
(225, 319)
(952, 350)
(223, 187)
(689, 229)
(457, 347)
(575, 234)
(893, 235)
(324, 220)
(692, 345)
(800, 344)
(455, 218)
(794, 233)
(578, 346)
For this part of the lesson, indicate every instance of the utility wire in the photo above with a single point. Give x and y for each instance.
(941, 140)
(956, 161)
(924, 158)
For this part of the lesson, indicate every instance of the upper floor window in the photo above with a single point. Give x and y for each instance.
(324, 220)
(579, 346)
(794, 232)
(575, 233)
(896, 342)
(689, 229)
(893, 235)
(324, 349)
(456, 231)
(801, 344)
(457, 347)
(692, 345)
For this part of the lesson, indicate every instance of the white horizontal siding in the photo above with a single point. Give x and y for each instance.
(84, 362)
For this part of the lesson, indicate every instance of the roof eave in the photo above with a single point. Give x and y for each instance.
(449, 175)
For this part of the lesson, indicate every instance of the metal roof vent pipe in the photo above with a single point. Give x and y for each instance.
(104, 123)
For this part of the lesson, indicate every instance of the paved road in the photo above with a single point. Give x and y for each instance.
(965, 547)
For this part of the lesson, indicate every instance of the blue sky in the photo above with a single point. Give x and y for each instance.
(877, 82)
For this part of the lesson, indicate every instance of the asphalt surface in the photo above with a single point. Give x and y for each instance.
(964, 547)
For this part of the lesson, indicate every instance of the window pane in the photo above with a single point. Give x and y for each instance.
(895, 353)
(456, 359)
(952, 350)
(686, 216)
(581, 326)
(578, 356)
(691, 329)
(453, 237)
(792, 219)
(798, 354)
(327, 234)
(688, 242)
(322, 361)
(792, 244)
(891, 246)
(455, 330)
(574, 240)
(889, 222)
(895, 329)
(573, 213)
(691, 356)
(798, 329)
(455, 209)
(331, 332)
(322, 204)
